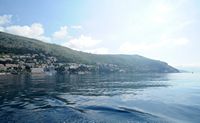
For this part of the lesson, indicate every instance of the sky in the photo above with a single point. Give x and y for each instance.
(166, 30)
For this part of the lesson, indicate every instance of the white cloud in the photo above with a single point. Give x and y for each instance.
(1, 28)
(36, 31)
(159, 19)
(62, 34)
(5, 19)
(86, 44)
(129, 47)
(76, 27)
(180, 25)
(44, 39)
(33, 31)
(82, 43)
(180, 41)
(161, 13)
(163, 8)
(101, 50)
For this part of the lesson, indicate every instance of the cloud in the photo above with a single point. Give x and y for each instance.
(82, 43)
(161, 13)
(129, 47)
(62, 34)
(5, 19)
(163, 8)
(180, 41)
(35, 31)
(86, 44)
(76, 27)
(101, 50)
(1, 28)
(180, 25)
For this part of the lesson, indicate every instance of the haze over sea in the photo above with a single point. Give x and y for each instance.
(112, 98)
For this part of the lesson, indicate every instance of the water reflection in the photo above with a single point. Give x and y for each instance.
(88, 85)
(30, 88)
(91, 97)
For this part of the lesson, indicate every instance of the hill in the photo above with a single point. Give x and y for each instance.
(13, 44)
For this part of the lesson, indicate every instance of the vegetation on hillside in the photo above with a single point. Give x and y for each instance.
(134, 63)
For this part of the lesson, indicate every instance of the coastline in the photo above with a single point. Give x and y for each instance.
(5, 73)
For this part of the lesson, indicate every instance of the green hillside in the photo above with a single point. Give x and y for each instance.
(134, 63)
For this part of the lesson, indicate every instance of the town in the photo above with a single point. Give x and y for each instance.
(40, 63)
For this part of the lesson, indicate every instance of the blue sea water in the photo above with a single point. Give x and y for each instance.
(100, 98)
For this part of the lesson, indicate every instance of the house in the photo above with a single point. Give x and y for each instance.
(2, 67)
(11, 65)
(37, 70)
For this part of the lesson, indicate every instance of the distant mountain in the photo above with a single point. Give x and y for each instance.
(14, 44)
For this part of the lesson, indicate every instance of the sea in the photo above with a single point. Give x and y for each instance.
(100, 98)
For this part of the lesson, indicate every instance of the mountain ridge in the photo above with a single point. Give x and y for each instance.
(14, 44)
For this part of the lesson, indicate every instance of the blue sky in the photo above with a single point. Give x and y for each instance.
(166, 30)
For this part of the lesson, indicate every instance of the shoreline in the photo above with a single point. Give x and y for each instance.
(5, 73)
